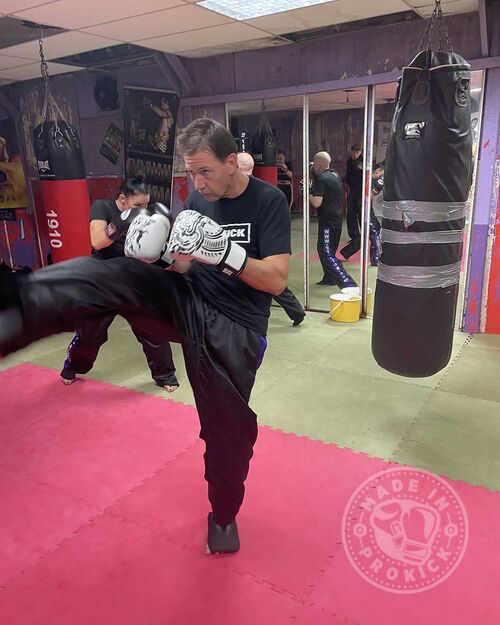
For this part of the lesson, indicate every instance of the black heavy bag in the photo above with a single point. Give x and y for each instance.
(427, 180)
(64, 188)
(264, 152)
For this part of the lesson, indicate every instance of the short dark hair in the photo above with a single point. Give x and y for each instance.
(380, 165)
(356, 148)
(134, 186)
(281, 151)
(206, 134)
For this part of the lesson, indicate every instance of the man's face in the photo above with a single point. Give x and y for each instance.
(355, 154)
(378, 172)
(211, 177)
(281, 159)
(138, 200)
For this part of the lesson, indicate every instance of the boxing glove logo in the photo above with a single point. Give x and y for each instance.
(405, 530)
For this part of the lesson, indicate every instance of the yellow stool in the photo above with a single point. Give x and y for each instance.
(345, 308)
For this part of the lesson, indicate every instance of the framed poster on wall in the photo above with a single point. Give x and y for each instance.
(150, 124)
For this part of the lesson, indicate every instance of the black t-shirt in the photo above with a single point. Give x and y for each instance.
(109, 211)
(328, 185)
(354, 175)
(258, 220)
(282, 177)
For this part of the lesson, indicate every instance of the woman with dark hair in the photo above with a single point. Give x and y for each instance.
(107, 235)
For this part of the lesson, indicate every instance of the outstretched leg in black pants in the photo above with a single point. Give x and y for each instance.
(221, 355)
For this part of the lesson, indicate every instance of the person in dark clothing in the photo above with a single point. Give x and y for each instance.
(326, 197)
(285, 176)
(287, 299)
(107, 237)
(354, 179)
(232, 243)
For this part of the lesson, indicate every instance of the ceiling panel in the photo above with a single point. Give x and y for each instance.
(327, 14)
(12, 61)
(27, 72)
(76, 15)
(63, 44)
(204, 38)
(177, 20)
(9, 6)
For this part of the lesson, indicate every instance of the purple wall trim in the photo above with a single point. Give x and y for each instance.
(485, 200)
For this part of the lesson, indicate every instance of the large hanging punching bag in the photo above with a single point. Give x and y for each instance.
(62, 174)
(264, 152)
(427, 180)
(64, 189)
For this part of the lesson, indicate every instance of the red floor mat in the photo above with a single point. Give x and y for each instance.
(103, 512)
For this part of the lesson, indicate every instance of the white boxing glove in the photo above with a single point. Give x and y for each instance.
(197, 237)
(147, 239)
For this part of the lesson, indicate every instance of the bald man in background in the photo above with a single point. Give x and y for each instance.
(326, 197)
(287, 299)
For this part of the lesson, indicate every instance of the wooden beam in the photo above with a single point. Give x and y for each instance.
(187, 83)
(168, 72)
(483, 27)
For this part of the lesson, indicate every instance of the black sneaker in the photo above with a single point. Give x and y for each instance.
(68, 376)
(222, 539)
(325, 283)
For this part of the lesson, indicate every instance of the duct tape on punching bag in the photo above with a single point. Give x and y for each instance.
(62, 174)
(264, 152)
(428, 176)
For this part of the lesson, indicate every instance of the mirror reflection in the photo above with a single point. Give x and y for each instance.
(336, 128)
(269, 136)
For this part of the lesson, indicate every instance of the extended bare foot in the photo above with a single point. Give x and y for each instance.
(170, 388)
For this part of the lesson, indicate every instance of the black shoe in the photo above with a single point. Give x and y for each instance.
(299, 320)
(222, 539)
(68, 376)
(325, 283)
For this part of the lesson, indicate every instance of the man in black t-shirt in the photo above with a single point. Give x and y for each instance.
(107, 237)
(232, 245)
(326, 197)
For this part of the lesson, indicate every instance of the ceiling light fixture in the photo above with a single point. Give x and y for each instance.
(258, 8)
